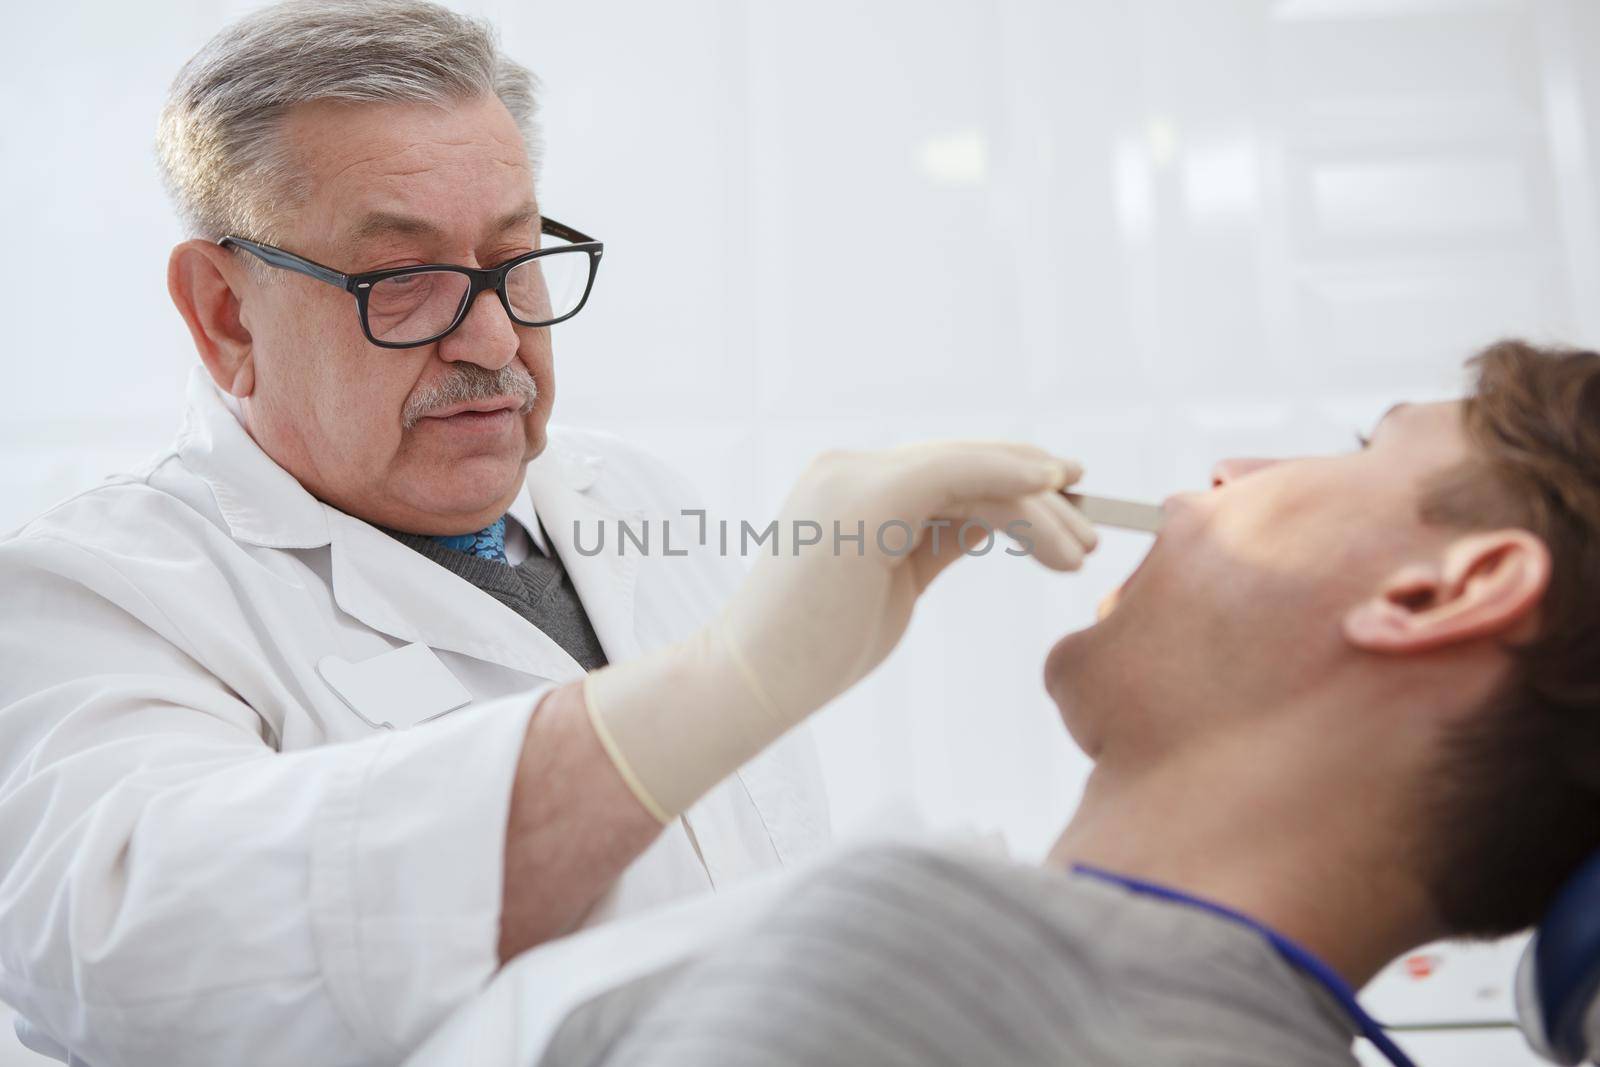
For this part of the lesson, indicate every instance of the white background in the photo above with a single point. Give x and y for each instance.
(1147, 233)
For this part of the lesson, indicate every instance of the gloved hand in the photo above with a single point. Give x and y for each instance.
(814, 618)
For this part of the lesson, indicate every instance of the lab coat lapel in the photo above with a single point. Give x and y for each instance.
(392, 588)
(557, 490)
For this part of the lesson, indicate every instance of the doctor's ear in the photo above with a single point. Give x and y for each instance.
(1485, 585)
(204, 279)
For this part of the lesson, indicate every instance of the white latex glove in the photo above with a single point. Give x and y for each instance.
(812, 620)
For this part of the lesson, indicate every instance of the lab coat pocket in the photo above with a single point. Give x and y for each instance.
(395, 690)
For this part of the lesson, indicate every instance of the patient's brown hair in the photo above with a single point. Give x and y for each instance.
(1517, 798)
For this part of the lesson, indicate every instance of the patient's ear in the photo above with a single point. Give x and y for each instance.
(1486, 584)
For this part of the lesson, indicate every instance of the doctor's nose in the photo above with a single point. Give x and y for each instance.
(1231, 470)
(485, 337)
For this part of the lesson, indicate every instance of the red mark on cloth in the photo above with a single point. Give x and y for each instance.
(1422, 965)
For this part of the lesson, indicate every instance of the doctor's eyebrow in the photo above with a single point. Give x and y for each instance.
(376, 224)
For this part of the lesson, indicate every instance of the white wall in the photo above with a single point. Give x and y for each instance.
(1143, 232)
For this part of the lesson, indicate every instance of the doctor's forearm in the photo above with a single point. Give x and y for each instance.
(574, 826)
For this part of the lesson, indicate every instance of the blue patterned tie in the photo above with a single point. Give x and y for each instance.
(487, 543)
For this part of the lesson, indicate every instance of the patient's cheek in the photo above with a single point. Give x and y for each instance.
(1107, 605)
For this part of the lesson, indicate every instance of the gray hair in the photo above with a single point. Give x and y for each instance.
(221, 156)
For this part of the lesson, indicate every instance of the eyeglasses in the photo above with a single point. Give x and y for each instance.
(410, 306)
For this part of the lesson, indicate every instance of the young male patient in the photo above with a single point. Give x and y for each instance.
(1355, 699)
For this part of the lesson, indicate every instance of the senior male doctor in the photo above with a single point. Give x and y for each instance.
(307, 725)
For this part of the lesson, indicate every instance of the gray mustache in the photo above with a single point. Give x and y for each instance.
(467, 382)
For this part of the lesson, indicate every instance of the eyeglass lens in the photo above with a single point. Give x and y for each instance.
(413, 307)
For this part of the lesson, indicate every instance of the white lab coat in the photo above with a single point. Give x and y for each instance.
(206, 857)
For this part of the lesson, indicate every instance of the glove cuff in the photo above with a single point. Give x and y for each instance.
(678, 720)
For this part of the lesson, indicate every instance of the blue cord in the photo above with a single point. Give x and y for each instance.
(1294, 954)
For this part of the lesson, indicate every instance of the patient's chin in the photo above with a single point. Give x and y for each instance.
(1061, 668)
(1065, 689)
(1074, 673)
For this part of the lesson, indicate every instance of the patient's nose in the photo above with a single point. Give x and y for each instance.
(1230, 470)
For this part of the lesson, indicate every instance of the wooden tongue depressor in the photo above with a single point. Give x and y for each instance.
(1105, 511)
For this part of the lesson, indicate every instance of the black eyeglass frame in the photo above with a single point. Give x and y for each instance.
(481, 279)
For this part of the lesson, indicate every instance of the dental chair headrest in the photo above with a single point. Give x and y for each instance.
(1558, 979)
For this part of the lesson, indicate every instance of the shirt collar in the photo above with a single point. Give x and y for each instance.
(261, 502)
(528, 520)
